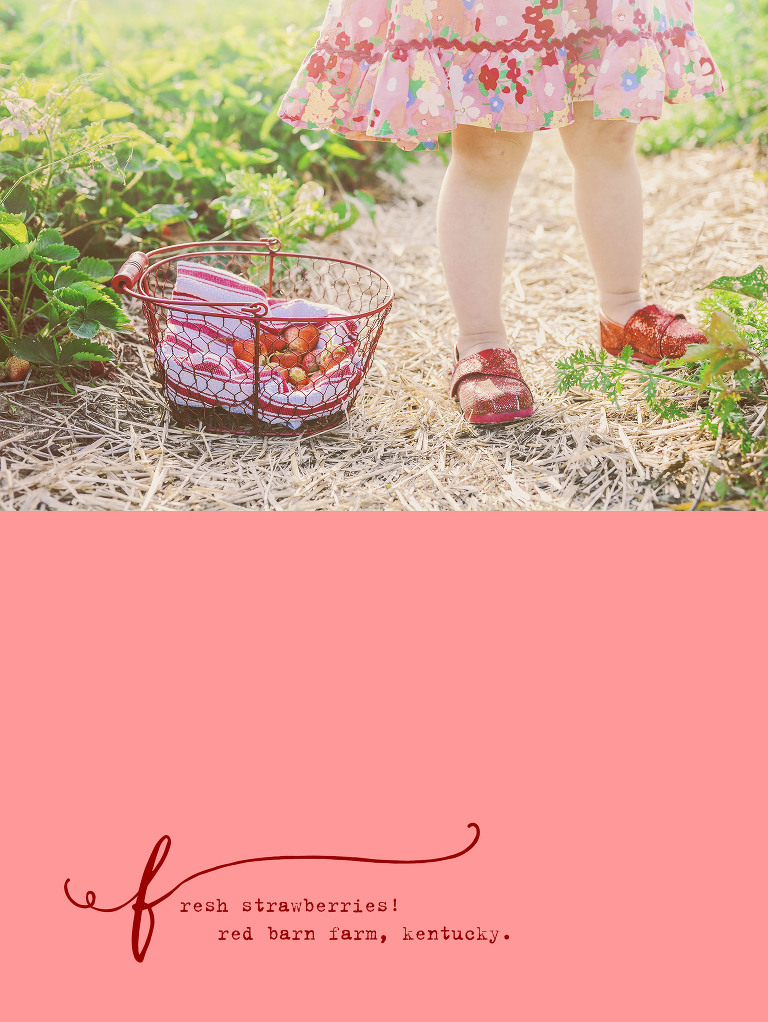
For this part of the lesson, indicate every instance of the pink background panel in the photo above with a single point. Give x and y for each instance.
(600, 713)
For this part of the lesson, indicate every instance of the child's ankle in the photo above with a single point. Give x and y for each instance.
(619, 308)
(471, 344)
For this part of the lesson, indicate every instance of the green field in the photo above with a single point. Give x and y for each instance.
(192, 89)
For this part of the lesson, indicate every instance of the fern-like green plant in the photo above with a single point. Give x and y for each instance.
(724, 377)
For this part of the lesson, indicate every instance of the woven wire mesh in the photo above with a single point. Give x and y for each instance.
(235, 365)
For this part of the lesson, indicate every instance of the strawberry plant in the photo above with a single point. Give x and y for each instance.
(190, 118)
(53, 303)
(276, 206)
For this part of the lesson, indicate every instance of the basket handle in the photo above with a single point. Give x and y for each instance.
(128, 274)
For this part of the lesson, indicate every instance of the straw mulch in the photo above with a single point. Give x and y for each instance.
(404, 445)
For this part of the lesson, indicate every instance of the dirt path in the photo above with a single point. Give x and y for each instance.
(405, 445)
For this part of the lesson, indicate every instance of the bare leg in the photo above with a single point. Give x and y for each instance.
(609, 206)
(473, 222)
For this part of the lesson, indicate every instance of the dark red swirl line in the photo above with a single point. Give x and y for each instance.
(160, 852)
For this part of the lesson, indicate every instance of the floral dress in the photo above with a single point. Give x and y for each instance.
(405, 70)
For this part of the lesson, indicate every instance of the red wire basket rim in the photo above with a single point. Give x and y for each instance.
(201, 250)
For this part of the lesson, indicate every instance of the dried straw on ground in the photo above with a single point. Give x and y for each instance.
(404, 445)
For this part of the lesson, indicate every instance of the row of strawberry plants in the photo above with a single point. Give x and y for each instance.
(149, 117)
(121, 127)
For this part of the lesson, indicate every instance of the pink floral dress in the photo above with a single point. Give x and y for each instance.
(405, 70)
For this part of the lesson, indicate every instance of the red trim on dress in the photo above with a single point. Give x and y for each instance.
(505, 46)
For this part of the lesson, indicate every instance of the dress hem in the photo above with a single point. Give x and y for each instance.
(410, 90)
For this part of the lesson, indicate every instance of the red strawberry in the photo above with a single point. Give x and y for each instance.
(244, 350)
(305, 341)
(311, 362)
(272, 342)
(312, 381)
(17, 368)
(297, 376)
(289, 359)
(331, 356)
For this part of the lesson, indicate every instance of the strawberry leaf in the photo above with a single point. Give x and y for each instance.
(50, 248)
(82, 350)
(13, 227)
(753, 285)
(45, 351)
(81, 325)
(69, 275)
(87, 322)
(10, 256)
(108, 314)
(722, 331)
(38, 350)
(159, 215)
(96, 269)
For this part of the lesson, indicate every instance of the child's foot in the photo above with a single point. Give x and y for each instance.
(653, 333)
(489, 387)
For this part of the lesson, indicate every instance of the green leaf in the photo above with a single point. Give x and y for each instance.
(13, 227)
(270, 121)
(110, 111)
(43, 279)
(11, 256)
(723, 342)
(45, 351)
(108, 314)
(159, 215)
(38, 350)
(720, 366)
(20, 201)
(263, 156)
(754, 284)
(722, 330)
(56, 254)
(700, 353)
(366, 203)
(48, 237)
(66, 276)
(110, 162)
(347, 212)
(50, 248)
(83, 350)
(98, 269)
(79, 295)
(343, 151)
(87, 322)
(81, 325)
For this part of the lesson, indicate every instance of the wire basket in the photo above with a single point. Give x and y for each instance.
(250, 339)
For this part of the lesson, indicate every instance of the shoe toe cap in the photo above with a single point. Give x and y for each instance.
(680, 335)
(489, 396)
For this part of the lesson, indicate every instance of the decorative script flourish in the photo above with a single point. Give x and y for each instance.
(140, 905)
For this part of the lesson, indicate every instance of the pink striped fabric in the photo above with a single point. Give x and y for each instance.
(201, 369)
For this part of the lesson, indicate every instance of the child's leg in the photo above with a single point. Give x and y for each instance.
(473, 222)
(609, 206)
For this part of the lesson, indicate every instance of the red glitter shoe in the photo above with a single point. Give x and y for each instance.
(489, 387)
(653, 333)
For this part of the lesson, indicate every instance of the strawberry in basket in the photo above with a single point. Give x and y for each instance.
(307, 370)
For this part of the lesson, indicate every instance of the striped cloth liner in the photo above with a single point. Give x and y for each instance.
(201, 369)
